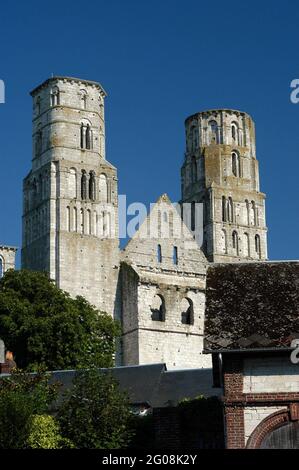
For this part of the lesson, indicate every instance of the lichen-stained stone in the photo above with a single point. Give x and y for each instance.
(221, 171)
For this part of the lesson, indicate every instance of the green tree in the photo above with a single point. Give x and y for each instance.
(43, 325)
(95, 413)
(45, 434)
(22, 396)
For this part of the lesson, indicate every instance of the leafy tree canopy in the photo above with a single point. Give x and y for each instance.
(44, 326)
(95, 413)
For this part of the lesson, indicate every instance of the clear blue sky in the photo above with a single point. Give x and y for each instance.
(160, 61)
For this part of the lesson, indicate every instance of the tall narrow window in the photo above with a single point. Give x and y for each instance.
(224, 209)
(92, 186)
(246, 245)
(253, 214)
(83, 99)
(235, 133)
(258, 246)
(88, 137)
(88, 222)
(175, 255)
(39, 142)
(193, 216)
(55, 96)
(247, 212)
(82, 221)
(72, 183)
(75, 221)
(235, 243)
(38, 106)
(193, 170)
(214, 136)
(68, 219)
(223, 241)
(83, 185)
(159, 254)
(95, 225)
(230, 210)
(103, 188)
(82, 136)
(236, 164)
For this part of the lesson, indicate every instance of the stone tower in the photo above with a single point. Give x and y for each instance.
(70, 227)
(220, 170)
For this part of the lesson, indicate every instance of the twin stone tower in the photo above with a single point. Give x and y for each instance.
(156, 285)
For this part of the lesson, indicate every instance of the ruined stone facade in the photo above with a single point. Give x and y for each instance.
(156, 285)
(163, 293)
(7, 258)
(221, 171)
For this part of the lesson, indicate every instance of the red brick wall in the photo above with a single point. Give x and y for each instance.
(234, 413)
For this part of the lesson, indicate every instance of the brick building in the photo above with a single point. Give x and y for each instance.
(251, 322)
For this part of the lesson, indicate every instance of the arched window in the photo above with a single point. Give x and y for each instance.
(236, 164)
(68, 219)
(75, 221)
(38, 106)
(235, 243)
(95, 223)
(223, 241)
(159, 254)
(83, 98)
(253, 214)
(1, 267)
(72, 183)
(224, 209)
(230, 210)
(175, 255)
(55, 96)
(82, 136)
(82, 227)
(158, 308)
(193, 138)
(193, 170)
(86, 140)
(258, 246)
(88, 143)
(83, 185)
(214, 133)
(103, 188)
(107, 224)
(235, 133)
(247, 212)
(187, 315)
(92, 186)
(193, 216)
(88, 222)
(38, 142)
(246, 245)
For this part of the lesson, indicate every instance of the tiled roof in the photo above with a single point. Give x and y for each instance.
(252, 306)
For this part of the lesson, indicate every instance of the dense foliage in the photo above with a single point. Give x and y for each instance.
(95, 414)
(201, 422)
(22, 397)
(44, 326)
